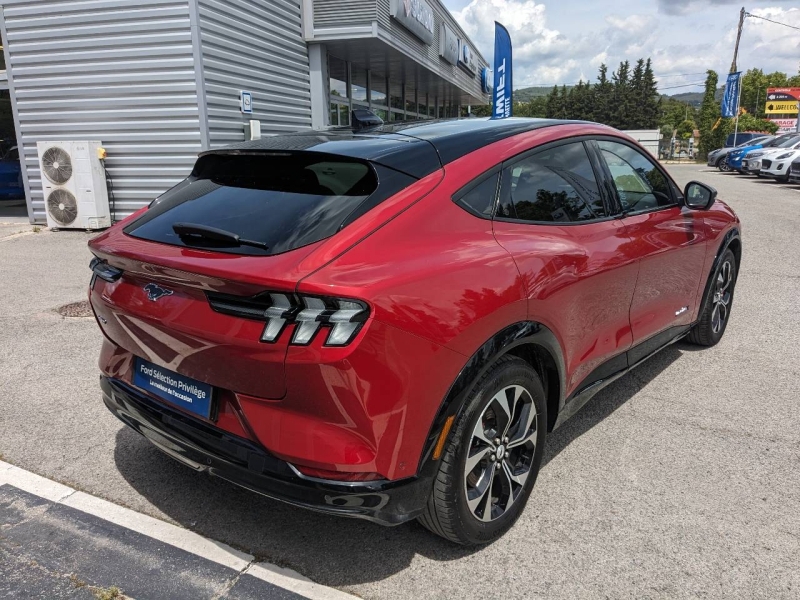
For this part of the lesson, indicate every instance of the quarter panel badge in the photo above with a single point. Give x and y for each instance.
(156, 292)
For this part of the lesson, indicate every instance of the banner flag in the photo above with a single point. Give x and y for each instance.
(730, 101)
(502, 104)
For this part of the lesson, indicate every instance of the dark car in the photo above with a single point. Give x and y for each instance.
(794, 173)
(737, 139)
(388, 323)
(11, 187)
(716, 158)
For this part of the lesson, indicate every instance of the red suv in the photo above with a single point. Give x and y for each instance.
(387, 323)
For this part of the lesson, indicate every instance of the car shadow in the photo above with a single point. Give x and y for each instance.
(331, 550)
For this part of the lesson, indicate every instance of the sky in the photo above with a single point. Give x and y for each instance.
(562, 42)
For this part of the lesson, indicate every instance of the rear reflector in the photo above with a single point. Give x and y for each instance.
(337, 475)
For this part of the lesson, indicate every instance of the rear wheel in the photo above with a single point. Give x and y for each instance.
(716, 312)
(491, 463)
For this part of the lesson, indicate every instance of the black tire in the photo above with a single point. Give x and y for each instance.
(448, 512)
(717, 309)
(722, 165)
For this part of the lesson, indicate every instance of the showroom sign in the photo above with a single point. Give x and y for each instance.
(785, 125)
(448, 44)
(416, 16)
(466, 58)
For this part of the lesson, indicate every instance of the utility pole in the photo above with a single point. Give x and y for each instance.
(742, 15)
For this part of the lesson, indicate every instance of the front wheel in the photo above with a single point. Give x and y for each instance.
(723, 166)
(491, 463)
(716, 312)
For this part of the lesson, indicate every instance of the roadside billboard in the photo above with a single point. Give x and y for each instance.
(782, 101)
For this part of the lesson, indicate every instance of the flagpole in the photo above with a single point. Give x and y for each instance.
(738, 112)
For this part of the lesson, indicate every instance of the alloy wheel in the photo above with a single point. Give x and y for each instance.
(501, 453)
(721, 300)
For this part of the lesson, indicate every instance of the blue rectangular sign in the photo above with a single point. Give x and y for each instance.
(185, 392)
(730, 100)
(502, 104)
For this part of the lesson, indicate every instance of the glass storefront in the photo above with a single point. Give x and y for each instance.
(354, 86)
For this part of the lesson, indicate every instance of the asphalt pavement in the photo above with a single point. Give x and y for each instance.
(680, 480)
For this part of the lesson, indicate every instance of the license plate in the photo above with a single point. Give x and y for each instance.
(190, 394)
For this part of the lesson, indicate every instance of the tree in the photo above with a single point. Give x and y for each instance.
(602, 97)
(635, 119)
(649, 99)
(551, 108)
(623, 98)
(711, 137)
(686, 129)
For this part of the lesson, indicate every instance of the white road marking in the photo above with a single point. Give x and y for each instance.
(166, 532)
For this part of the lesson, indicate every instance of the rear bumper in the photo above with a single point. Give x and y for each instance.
(203, 447)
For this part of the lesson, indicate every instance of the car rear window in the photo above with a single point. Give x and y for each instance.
(281, 200)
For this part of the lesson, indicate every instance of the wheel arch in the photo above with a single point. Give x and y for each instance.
(531, 341)
(733, 241)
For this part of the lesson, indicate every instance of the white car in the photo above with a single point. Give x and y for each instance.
(773, 162)
(777, 164)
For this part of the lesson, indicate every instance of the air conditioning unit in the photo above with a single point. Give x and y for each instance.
(74, 183)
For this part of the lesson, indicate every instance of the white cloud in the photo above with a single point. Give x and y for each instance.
(549, 53)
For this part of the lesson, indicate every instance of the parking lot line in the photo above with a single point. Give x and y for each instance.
(250, 577)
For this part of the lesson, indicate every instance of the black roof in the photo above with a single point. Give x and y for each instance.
(417, 148)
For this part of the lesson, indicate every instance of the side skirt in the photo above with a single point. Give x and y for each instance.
(632, 358)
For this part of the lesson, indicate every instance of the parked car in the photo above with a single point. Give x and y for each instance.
(794, 172)
(735, 157)
(388, 323)
(743, 137)
(11, 187)
(716, 158)
(777, 164)
(751, 163)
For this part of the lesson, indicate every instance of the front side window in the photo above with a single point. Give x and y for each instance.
(640, 185)
(554, 185)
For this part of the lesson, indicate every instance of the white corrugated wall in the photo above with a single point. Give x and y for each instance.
(257, 46)
(117, 71)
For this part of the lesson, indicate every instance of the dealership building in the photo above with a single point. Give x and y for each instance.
(158, 81)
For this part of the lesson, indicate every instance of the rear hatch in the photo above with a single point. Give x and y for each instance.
(185, 283)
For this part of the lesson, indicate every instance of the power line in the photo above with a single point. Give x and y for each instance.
(771, 21)
(675, 87)
(527, 85)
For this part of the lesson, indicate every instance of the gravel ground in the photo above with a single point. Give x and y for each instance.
(680, 480)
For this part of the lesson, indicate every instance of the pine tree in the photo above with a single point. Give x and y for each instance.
(563, 102)
(623, 101)
(636, 116)
(551, 108)
(651, 99)
(602, 98)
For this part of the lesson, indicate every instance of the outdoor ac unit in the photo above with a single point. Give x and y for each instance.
(74, 183)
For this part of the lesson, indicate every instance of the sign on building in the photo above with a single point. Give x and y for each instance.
(416, 16)
(466, 58)
(785, 125)
(448, 44)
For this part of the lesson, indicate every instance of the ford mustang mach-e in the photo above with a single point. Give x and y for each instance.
(387, 323)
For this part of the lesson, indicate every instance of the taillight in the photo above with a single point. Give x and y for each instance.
(339, 318)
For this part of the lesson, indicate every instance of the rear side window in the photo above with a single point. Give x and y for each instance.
(641, 186)
(479, 199)
(555, 185)
(280, 200)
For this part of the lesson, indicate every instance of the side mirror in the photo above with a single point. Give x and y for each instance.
(699, 196)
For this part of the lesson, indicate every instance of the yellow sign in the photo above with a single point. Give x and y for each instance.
(782, 107)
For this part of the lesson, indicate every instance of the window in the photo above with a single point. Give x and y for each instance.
(480, 198)
(338, 76)
(284, 201)
(377, 86)
(641, 186)
(557, 184)
(358, 85)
